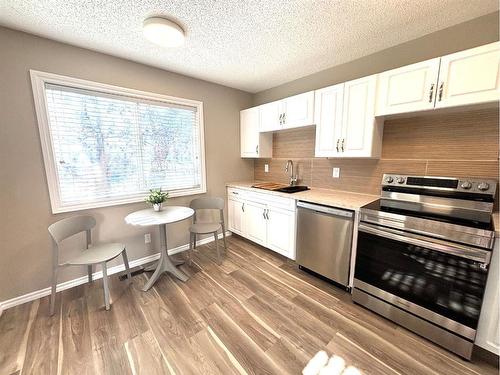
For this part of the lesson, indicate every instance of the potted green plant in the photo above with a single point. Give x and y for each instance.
(156, 197)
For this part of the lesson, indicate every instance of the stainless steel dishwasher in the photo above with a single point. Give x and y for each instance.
(324, 238)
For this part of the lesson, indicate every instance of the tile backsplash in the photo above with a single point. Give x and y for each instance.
(463, 144)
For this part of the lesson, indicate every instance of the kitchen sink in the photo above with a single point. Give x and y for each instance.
(292, 189)
(280, 187)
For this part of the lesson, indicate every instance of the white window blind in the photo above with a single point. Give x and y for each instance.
(109, 148)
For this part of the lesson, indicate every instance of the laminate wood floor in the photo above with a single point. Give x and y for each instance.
(257, 313)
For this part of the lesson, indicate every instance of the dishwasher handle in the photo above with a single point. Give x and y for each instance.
(325, 209)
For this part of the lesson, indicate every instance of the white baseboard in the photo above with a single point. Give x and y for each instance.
(4, 305)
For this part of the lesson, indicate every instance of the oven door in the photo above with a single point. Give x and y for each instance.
(440, 281)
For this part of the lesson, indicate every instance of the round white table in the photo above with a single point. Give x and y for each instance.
(168, 215)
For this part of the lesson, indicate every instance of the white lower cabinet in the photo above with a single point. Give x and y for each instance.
(266, 219)
(281, 230)
(488, 330)
(255, 222)
(235, 215)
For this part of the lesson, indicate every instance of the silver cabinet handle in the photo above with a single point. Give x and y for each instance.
(342, 145)
(441, 86)
(284, 118)
(267, 213)
(431, 93)
(281, 118)
(338, 140)
(264, 214)
(257, 149)
(243, 207)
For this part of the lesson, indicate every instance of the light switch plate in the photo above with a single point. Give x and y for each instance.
(336, 173)
(147, 238)
(266, 168)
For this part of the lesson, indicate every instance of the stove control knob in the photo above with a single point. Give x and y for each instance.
(400, 180)
(466, 185)
(389, 179)
(483, 186)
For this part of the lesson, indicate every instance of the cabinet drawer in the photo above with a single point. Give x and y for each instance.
(271, 200)
(234, 193)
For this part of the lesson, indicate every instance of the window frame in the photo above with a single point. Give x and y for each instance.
(38, 81)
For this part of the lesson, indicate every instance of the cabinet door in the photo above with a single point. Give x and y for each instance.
(235, 216)
(470, 77)
(249, 132)
(255, 222)
(328, 119)
(298, 110)
(358, 124)
(488, 330)
(408, 89)
(270, 116)
(281, 226)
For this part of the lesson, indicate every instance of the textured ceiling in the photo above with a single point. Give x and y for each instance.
(247, 44)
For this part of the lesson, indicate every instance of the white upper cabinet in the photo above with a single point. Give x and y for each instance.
(253, 143)
(297, 110)
(469, 77)
(291, 112)
(361, 134)
(328, 119)
(463, 78)
(346, 126)
(270, 116)
(408, 89)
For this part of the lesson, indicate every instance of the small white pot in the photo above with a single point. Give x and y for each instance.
(157, 207)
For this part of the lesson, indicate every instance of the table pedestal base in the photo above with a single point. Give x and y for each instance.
(165, 264)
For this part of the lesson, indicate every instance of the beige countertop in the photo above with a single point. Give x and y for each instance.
(336, 198)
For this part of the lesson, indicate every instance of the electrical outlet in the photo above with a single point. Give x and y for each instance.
(266, 168)
(147, 238)
(336, 173)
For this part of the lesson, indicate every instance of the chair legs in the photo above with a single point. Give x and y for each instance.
(53, 291)
(217, 248)
(224, 235)
(105, 284)
(127, 268)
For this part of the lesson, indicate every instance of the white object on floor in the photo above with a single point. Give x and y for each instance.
(316, 363)
(335, 366)
(351, 371)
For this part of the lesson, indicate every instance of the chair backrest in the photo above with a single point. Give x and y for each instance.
(207, 203)
(65, 228)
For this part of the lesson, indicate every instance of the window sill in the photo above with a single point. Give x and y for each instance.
(118, 202)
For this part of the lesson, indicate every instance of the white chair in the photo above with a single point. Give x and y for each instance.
(207, 203)
(99, 254)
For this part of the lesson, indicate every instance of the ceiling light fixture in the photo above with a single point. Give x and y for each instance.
(163, 32)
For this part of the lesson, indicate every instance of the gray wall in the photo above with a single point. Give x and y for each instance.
(25, 209)
(469, 34)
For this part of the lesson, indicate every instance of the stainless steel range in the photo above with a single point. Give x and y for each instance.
(423, 254)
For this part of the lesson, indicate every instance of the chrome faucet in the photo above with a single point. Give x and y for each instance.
(289, 169)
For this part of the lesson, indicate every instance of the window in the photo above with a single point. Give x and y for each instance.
(105, 145)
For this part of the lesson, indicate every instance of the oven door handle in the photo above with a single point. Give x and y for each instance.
(471, 253)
